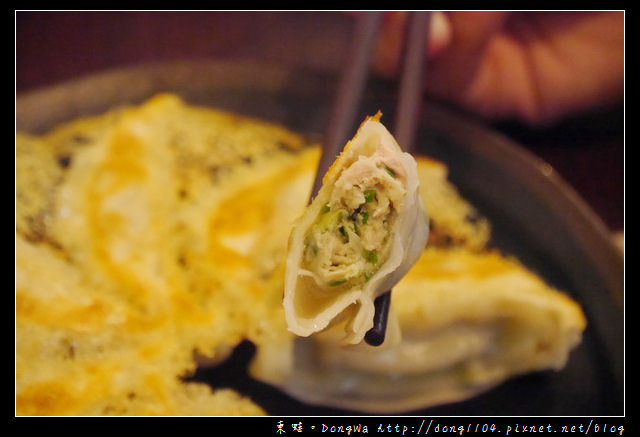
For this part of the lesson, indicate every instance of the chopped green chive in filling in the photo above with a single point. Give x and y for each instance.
(371, 256)
(390, 172)
(346, 245)
(365, 217)
(369, 195)
(344, 233)
(339, 245)
(328, 219)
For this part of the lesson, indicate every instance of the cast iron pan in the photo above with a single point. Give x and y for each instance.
(535, 215)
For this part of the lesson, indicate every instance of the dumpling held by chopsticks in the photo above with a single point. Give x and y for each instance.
(359, 236)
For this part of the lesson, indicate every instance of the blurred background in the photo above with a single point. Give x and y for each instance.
(587, 150)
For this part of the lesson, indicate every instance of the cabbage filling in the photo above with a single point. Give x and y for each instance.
(352, 234)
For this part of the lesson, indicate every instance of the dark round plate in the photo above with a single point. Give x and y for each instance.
(535, 215)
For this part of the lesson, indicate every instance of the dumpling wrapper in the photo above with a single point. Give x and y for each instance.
(359, 236)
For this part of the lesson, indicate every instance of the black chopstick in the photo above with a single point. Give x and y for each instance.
(349, 94)
(348, 99)
(409, 103)
(407, 116)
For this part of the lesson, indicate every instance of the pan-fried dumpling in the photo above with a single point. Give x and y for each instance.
(468, 321)
(359, 236)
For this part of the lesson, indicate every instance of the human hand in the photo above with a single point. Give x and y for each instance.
(536, 67)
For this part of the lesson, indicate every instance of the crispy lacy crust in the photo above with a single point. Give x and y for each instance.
(122, 220)
(453, 220)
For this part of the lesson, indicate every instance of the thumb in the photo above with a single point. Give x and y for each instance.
(470, 31)
(389, 48)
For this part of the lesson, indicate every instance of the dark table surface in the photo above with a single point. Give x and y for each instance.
(53, 47)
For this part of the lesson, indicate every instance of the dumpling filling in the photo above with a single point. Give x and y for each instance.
(351, 237)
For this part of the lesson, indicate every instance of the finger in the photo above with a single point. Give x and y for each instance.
(390, 42)
(472, 30)
(440, 33)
